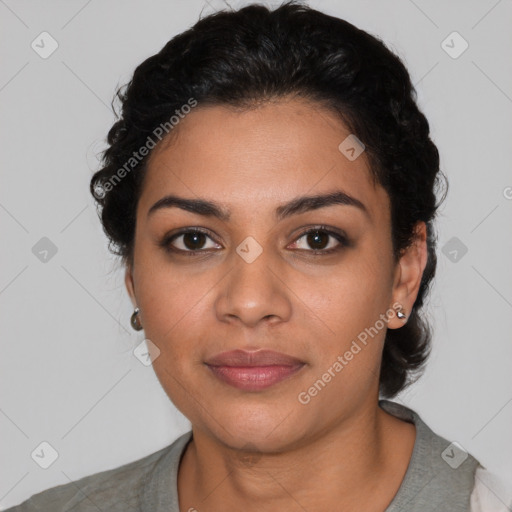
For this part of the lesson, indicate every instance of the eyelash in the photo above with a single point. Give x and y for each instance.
(341, 238)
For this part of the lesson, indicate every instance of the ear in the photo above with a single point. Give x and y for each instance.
(408, 275)
(128, 280)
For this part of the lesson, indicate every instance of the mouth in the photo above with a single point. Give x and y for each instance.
(253, 371)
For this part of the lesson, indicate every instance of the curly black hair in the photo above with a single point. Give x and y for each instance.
(240, 58)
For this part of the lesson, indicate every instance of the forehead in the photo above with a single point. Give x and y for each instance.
(264, 156)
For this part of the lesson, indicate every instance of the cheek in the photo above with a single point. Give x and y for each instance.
(166, 292)
(173, 308)
(332, 305)
(174, 320)
(353, 294)
(348, 349)
(342, 299)
(347, 307)
(161, 295)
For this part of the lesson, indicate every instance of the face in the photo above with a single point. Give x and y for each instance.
(251, 277)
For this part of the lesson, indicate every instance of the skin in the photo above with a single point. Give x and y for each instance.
(265, 450)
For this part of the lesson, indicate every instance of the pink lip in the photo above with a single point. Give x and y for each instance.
(253, 358)
(253, 371)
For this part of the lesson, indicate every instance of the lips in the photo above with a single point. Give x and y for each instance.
(254, 358)
(253, 371)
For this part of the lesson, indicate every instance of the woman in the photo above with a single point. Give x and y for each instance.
(271, 189)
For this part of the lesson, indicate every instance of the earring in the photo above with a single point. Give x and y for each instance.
(135, 320)
(400, 314)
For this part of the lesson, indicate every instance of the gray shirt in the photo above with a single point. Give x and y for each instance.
(440, 477)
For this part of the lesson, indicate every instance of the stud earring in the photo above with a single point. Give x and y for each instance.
(400, 314)
(135, 320)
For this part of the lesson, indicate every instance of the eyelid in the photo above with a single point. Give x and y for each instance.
(338, 234)
(170, 237)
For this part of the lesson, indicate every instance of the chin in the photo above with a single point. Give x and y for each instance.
(259, 427)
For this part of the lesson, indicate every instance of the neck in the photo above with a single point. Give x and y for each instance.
(356, 464)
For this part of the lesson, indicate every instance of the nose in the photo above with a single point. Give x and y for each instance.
(254, 292)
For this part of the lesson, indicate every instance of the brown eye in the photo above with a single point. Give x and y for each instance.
(317, 239)
(321, 240)
(188, 241)
(193, 240)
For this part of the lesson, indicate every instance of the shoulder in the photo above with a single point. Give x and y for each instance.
(119, 489)
(490, 493)
(440, 475)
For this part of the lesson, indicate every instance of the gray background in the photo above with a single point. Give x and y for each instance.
(68, 373)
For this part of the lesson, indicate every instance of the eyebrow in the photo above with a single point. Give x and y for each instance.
(295, 206)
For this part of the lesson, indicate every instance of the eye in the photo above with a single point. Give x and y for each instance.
(318, 239)
(189, 241)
